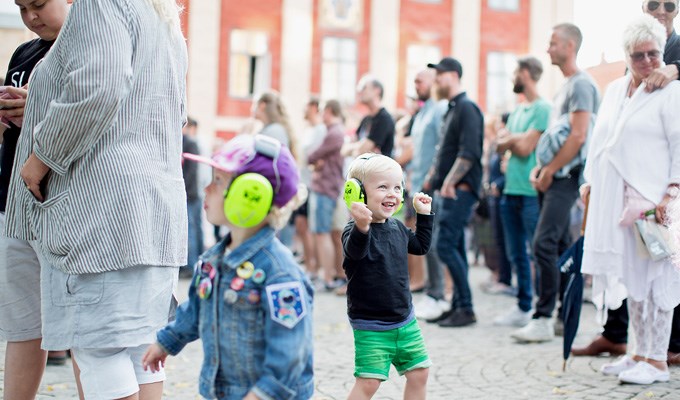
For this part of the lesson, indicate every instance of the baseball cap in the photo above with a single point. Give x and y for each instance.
(259, 154)
(448, 64)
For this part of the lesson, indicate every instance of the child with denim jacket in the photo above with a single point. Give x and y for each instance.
(376, 247)
(249, 301)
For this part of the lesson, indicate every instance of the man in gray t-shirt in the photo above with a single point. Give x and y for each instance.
(557, 182)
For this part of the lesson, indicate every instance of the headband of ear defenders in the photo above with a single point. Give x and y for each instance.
(249, 197)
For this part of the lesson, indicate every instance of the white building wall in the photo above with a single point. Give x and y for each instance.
(296, 59)
(466, 42)
(202, 79)
(384, 47)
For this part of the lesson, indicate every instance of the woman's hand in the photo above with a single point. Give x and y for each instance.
(584, 191)
(32, 173)
(154, 358)
(422, 203)
(661, 213)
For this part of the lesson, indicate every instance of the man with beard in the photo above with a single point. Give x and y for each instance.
(457, 174)
(425, 135)
(519, 204)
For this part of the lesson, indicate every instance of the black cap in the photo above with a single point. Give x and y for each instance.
(448, 64)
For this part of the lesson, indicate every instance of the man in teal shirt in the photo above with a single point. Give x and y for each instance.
(519, 206)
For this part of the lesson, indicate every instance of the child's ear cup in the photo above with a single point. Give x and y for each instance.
(248, 200)
(401, 203)
(354, 192)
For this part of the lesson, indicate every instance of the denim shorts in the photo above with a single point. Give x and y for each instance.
(375, 351)
(321, 209)
(19, 288)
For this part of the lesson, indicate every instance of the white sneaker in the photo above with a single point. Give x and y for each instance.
(516, 317)
(644, 373)
(430, 308)
(623, 363)
(536, 331)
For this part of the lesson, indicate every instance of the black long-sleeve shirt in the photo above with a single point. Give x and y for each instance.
(377, 269)
(462, 134)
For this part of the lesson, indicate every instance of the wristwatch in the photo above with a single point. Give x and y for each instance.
(673, 191)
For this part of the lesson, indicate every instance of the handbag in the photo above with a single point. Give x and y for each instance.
(655, 237)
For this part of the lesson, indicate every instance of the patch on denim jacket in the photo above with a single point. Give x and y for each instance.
(287, 303)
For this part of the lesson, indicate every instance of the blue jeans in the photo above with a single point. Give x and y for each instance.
(504, 265)
(195, 244)
(454, 215)
(520, 215)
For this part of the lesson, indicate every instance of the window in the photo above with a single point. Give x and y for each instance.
(504, 5)
(500, 68)
(417, 58)
(249, 65)
(339, 69)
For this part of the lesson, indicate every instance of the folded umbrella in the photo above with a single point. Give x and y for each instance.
(570, 263)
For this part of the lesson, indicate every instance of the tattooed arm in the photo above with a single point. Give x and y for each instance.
(460, 167)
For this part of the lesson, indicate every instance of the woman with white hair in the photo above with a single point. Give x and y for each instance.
(634, 165)
(97, 181)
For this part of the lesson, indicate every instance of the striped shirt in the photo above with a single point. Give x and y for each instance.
(105, 111)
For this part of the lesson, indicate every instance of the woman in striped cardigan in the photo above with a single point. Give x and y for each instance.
(97, 181)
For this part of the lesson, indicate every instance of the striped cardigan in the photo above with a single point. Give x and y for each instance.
(104, 112)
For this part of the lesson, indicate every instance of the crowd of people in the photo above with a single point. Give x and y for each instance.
(102, 207)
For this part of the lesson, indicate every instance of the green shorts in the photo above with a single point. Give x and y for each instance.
(376, 350)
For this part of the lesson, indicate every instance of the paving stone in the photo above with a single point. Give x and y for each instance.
(478, 362)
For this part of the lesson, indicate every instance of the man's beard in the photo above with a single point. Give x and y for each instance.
(518, 88)
(442, 93)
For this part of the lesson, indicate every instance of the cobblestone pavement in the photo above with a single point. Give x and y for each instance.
(479, 362)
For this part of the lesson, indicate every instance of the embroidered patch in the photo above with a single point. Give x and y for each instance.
(287, 304)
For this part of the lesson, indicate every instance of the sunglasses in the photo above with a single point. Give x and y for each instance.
(653, 5)
(204, 280)
(640, 55)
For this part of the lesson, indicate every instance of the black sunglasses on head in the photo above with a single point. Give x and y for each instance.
(653, 5)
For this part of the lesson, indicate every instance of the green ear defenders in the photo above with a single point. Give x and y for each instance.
(249, 197)
(355, 193)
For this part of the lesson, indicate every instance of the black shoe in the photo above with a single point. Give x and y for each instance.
(458, 319)
(441, 317)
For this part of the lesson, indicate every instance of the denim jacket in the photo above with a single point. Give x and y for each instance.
(256, 329)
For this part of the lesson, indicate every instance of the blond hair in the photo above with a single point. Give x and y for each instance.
(369, 164)
(276, 112)
(168, 11)
(278, 217)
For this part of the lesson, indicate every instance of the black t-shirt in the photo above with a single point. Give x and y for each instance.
(377, 267)
(190, 168)
(462, 136)
(380, 129)
(20, 68)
